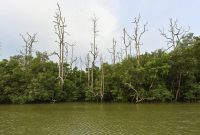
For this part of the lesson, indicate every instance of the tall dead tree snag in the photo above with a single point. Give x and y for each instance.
(94, 50)
(126, 45)
(113, 51)
(136, 36)
(73, 60)
(102, 86)
(87, 59)
(176, 34)
(29, 41)
(60, 32)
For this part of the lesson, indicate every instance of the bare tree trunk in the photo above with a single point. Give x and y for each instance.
(125, 44)
(88, 77)
(72, 56)
(62, 62)
(102, 81)
(60, 32)
(136, 96)
(136, 37)
(94, 50)
(88, 69)
(60, 65)
(113, 52)
(92, 77)
(29, 41)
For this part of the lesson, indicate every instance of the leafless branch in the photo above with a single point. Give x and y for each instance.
(175, 34)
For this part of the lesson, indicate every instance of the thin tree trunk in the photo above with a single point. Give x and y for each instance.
(92, 78)
(60, 32)
(94, 51)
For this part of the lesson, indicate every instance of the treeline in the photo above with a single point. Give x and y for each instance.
(171, 75)
(161, 77)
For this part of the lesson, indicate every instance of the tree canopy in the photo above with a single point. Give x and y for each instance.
(161, 77)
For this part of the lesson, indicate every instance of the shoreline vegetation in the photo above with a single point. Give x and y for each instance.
(171, 75)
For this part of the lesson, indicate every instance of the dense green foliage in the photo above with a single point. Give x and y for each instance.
(160, 77)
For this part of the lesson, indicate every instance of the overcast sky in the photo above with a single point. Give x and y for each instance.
(36, 16)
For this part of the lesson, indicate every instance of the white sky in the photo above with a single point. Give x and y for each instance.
(36, 16)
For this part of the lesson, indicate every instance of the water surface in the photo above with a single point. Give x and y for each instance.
(100, 119)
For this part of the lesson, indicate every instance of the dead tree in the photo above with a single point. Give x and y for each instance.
(113, 51)
(136, 37)
(102, 86)
(126, 45)
(66, 52)
(60, 32)
(94, 50)
(120, 55)
(87, 63)
(29, 41)
(176, 34)
(136, 94)
(72, 56)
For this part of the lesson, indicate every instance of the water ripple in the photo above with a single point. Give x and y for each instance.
(95, 119)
